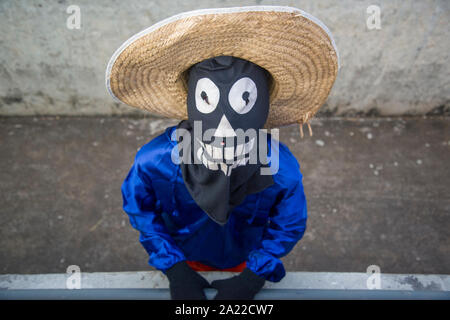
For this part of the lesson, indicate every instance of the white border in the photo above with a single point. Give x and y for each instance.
(292, 280)
(205, 12)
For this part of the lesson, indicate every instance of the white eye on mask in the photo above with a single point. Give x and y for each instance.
(207, 95)
(242, 95)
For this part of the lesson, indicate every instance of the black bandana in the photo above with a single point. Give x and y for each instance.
(227, 97)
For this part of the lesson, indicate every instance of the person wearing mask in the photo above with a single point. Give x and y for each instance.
(217, 191)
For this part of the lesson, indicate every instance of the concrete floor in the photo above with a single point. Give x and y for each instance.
(377, 192)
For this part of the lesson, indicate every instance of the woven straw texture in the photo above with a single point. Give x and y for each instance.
(150, 73)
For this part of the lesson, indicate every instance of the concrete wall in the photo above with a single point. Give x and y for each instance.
(46, 68)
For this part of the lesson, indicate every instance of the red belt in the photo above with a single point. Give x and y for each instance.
(197, 266)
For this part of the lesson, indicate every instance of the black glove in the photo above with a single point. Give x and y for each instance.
(243, 286)
(185, 283)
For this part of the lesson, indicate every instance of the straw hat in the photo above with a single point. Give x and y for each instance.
(149, 71)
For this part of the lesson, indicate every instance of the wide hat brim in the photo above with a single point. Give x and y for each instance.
(149, 70)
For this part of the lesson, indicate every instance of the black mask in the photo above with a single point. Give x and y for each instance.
(227, 96)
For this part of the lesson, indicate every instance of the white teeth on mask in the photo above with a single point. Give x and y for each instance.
(229, 153)
(242, 149)
(204, 160)
(217, 153)
(207, 163)
(241, 162)
(224, 168)
(212, 165)
(201, 143)
(209, 149)
(239, 149)
(200, 154)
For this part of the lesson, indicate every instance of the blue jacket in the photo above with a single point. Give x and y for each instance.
(263, 228)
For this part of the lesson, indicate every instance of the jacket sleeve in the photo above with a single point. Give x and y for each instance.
(141, 205)
(287, 224)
